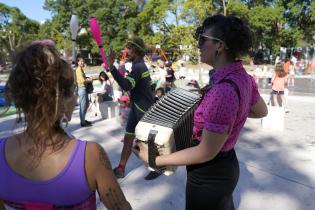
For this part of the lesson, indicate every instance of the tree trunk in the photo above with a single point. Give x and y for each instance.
(224, 8)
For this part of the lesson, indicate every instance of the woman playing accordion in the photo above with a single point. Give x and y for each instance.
(212, 165)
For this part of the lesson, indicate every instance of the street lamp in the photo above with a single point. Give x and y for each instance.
(74, 27)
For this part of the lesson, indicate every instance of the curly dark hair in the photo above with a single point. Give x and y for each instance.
(38, 86)
(231, 30)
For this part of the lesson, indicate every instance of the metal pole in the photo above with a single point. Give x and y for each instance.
(74, 26)
(73, 51)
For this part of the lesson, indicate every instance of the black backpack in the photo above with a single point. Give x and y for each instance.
(89, 87)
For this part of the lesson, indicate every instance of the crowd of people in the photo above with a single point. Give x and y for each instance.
(47, 168)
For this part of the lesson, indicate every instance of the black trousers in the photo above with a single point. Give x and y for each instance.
(210, 185)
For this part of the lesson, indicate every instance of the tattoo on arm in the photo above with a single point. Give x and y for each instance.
(115, 200)
(104, 159)
(1, 205)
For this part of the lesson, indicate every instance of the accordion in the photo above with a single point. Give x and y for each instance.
(167, 126)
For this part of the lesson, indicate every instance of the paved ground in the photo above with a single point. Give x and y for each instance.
(277, 168)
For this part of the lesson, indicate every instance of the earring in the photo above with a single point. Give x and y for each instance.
(64, 121)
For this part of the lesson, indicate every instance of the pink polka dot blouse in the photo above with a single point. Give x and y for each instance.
(222, 109)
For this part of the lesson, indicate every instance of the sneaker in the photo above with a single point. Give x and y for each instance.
(119, 172)
(88, 122)
(153, 175)
(287, 110)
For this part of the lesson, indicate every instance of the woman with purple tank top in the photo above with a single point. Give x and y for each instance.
(42, 167)
(232, 96)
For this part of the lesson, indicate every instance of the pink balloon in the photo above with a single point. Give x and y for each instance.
(97, 35)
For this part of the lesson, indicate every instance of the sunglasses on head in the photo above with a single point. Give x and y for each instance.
(203, 38)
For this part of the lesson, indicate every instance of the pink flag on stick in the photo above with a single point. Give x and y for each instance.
(97, 35)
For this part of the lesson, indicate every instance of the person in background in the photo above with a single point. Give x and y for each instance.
(169, 77)
(159, 93)
(232, 97)
(291, 76)
(279, 82)
(286, 65)
(277, 60)
(102, 93)
(81, 81)
(138, 82)
(162, 72)
(43, 167)
(308, 68)
(124, 109)
(257, 74)
(107, 93)
(181, 72)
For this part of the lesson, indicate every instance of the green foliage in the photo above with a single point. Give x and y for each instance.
(193, 55)
(300, 14)
(169, 23)
(117, 19)
(238, 9)
(16, 30)
(195, 11)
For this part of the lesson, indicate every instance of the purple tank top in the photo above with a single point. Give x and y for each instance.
(68, 188)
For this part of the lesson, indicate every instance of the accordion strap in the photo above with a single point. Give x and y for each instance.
(152, 148)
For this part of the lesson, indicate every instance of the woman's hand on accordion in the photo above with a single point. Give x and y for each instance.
(208, 148)
(141, 151)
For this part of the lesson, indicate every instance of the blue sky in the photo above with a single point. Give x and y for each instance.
(32, 9)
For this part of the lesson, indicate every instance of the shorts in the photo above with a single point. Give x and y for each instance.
(134, 117)
(274, 92)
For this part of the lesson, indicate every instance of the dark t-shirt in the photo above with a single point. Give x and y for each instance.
(138, 82)
(172, 78)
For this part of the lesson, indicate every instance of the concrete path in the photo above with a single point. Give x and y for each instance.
(277, 168)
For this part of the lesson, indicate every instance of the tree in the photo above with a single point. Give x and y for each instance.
(300, 14)
(171, 23)
(16, 30)
(154, 15)
(117, 19)
(195, 11)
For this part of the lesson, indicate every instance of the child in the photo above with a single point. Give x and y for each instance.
(279, 81)
(159, 93)
(124, 108)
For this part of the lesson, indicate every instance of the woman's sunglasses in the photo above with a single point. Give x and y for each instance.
(203, 38)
